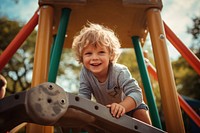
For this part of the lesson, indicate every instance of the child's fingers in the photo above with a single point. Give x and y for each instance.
(121, 112)
(116, 110)
(108, 106)
(112, 109)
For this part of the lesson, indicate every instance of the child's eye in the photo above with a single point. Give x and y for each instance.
(101, 52)
(88, 53)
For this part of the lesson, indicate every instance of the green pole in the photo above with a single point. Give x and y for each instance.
(58, 46)
(146, 82)
(52, 46)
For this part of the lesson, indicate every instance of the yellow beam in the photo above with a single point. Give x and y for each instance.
(126, 17)
(170, 104)
(41, 59)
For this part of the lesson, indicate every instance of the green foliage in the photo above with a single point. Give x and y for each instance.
(128, 59)
(8, 29)
(19, 68)
(194, 30)
(187, 79)
(69, 69)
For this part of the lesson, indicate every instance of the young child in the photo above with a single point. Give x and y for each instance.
(112, 85)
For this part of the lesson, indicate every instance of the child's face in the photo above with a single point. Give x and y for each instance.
(96, 59)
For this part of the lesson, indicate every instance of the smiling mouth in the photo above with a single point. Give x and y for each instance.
(95, 64)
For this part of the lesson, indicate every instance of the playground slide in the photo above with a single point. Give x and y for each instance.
(48, 104)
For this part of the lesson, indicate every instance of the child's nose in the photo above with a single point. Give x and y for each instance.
(95, 56)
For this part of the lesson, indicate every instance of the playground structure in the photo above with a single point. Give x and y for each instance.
(132, 20)
(49, 104)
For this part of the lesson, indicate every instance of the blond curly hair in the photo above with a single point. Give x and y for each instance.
(95, 34)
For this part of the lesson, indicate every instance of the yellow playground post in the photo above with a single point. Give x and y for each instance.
(41, 58)
(168, 91)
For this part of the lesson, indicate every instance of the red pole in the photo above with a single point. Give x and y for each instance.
(18, 40)
(151, 69)
(184, 51)
(184, 105)
(193, 115)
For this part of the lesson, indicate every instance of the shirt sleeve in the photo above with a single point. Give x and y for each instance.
(130, 86)
(84, 90)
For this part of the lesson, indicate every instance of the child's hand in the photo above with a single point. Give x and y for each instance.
(116, 109)
(3, 84)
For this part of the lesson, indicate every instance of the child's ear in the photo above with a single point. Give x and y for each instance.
(111, 58)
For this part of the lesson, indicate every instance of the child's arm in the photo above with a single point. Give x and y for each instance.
(128, 103)
(120, 109)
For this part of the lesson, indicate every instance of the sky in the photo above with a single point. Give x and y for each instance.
(177, 14)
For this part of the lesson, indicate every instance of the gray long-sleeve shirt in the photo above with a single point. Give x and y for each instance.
(118, 85)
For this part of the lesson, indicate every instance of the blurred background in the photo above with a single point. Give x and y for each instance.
(183, 17)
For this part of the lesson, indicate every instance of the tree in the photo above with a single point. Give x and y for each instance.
(19, 68)
(68, 73)
(187, 80)
(18, 71)
(195, 32)
(8, 29)
(128, 59)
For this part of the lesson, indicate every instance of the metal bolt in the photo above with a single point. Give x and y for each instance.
(44, 6)
(155, 10)
(50, 87)
(62, 101)
(162, 36)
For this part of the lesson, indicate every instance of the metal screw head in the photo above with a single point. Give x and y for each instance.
(162, 36)
(50, 87)
(62, 101)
